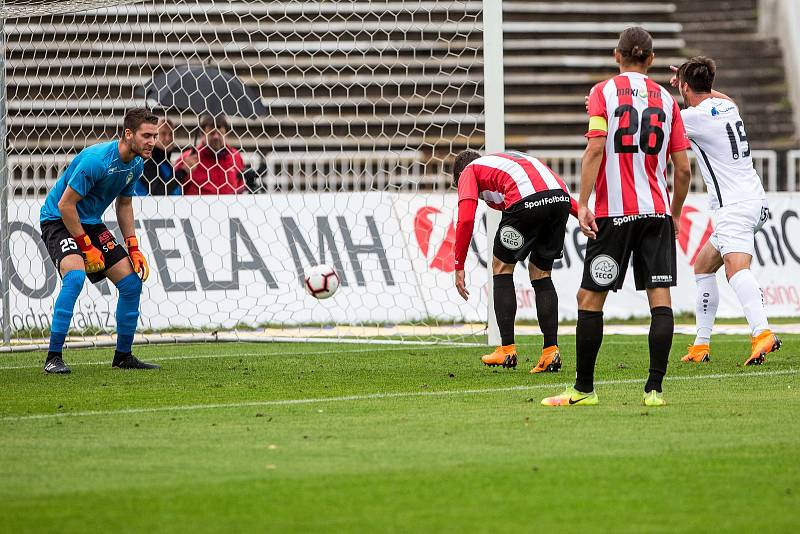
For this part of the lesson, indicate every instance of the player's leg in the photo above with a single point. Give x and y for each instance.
(659, 339)
(603, 270)
(119, 271)
(748, 292)
(655, 269)
(505, 310)
(707, 263)
(736, 233)
(69, 261)
(547, 315)
(548, 246)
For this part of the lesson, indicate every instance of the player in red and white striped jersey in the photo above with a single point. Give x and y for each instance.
(635, 126)
(536, 204)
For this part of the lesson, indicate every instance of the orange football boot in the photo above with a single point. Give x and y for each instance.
(763, 344)
(505, 356)
(697, 353)
(550, 361)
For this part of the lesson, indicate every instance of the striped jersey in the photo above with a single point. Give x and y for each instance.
(716, 131)
(505, 178)
(643, 126)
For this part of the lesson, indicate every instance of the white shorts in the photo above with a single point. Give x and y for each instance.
(737, 224)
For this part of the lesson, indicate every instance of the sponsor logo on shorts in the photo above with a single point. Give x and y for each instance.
(546, 200)
(619, 221)
(107, 241)
(660, 278)
(511, 238)
(604, 270)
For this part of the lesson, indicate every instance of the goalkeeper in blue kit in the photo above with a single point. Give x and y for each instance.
(81, 246)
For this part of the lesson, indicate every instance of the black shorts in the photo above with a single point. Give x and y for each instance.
(649, 239)
(534, 227)
(60, 244)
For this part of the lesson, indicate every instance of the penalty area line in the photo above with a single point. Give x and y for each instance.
(382, 396)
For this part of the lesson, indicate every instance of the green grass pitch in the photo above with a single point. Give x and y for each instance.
(360, 438)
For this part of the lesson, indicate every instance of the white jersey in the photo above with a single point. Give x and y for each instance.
(716, 132)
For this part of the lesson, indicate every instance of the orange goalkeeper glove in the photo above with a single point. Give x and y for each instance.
(92, 257)
(137, 258)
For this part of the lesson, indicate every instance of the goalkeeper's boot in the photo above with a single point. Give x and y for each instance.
(572, 397)
(697, 353)
(653, 398)
(505, 356)
(126, 360)
(55, 365)
(550, 362)
(762, 344)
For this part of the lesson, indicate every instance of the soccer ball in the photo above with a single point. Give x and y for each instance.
(321, 281)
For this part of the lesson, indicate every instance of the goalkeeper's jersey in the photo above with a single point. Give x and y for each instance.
(719, 141)
(99, 175)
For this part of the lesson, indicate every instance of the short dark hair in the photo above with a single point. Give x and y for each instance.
(462, 160)
(209, 121)
(635, 45)
(135, 117)
(698, 73)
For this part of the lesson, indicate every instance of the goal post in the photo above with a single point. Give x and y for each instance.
(367, 104)
(494, 112)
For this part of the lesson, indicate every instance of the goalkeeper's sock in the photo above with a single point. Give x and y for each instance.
(505, 306)
(130, 289)
(71, 286)
(547, 310)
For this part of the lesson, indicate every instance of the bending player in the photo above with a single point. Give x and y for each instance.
(80, 244)
(634, 127)
(535, 204)
(736, 196)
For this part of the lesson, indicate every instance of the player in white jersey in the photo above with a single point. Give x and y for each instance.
(717, 135)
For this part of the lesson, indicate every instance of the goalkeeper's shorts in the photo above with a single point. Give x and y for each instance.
(534, 227)
(60, 244)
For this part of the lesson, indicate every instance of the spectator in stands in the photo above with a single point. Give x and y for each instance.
(212, 167)
(159, 177)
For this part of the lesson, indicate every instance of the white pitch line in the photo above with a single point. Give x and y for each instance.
(248, 354)
(380, 396)
(353, 351)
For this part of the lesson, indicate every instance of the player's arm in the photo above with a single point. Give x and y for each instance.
(464, 227)
(68, 207)
(592, 157)
(590, 167)
(682, 172)
(127, 225)
(682, 175)
(467, 205)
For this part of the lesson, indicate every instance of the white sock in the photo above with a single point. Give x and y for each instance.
(749, 294)
(706, 306)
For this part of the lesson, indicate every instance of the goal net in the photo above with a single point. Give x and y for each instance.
(346, 115)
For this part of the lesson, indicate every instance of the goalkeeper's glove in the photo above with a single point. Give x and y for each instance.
(137, 258)
(92, 257)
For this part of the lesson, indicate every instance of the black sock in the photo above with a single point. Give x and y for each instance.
(505, 306)
(547, 310)
(51, 355)
(662, 326)
(588, 338)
